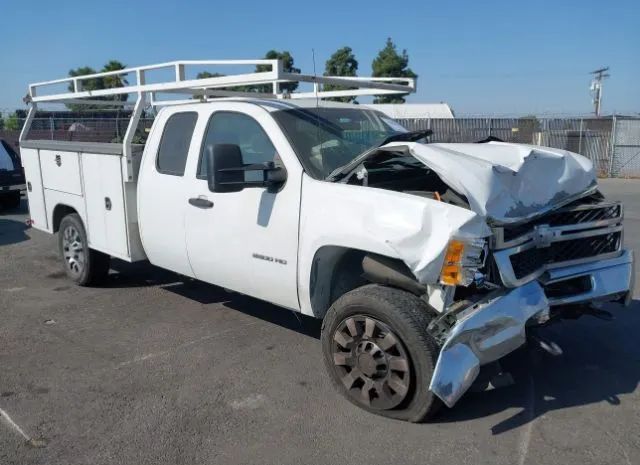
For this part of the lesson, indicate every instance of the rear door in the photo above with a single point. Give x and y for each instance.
(246, 241)
(163, 189)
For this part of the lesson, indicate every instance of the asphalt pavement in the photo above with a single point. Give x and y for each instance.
(153, 369)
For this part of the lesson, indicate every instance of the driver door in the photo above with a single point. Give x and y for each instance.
(246, 241)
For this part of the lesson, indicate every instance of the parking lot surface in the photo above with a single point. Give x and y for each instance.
(154, 369)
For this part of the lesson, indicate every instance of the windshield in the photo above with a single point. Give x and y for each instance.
(326, 138)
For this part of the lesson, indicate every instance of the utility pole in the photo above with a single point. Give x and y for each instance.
(599, 75)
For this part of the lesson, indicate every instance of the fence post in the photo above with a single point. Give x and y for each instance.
(612, 149)
(580, 137)
(490, 121)
(51, 128)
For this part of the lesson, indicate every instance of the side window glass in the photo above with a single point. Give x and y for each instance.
(241, 130)
(174, 145)
(6, 162)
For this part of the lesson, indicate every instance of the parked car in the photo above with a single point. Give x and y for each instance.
(12, 181)
(424, 261)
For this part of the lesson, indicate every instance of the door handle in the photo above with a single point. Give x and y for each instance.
(200, 202)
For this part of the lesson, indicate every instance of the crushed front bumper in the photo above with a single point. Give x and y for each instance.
(495, 326)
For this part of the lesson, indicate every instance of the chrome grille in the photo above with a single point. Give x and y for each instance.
(529, 261)
(566, 217)
(575, 233)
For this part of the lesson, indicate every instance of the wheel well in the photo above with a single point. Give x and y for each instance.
(336, 271)
(60, 212)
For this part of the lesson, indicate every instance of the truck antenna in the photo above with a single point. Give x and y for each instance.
(315, 89)
(315, 76)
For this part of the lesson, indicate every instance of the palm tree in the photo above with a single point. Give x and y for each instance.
(116, 80)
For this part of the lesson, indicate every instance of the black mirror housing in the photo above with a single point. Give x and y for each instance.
(219, 158)
(226, 171)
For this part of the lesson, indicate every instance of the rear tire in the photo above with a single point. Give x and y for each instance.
(379, 354)
(82, 265)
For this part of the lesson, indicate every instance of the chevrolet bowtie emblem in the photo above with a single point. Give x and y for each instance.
(542, 236)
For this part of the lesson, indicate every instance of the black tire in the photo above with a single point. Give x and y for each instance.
(82, 265)
(11, 200)
(406, 317)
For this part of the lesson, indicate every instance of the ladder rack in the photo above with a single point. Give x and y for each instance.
(205, 88)
(217, 86)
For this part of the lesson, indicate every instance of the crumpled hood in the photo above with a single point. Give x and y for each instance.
(506, 182)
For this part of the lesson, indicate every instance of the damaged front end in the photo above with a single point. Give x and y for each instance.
(500, 237)
(567, 258)
(482, 333)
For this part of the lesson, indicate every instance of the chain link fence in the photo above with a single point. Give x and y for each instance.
(625, 161)
(590, 137)
(612, 144)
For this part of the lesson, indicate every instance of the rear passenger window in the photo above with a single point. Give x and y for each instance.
(174, 145)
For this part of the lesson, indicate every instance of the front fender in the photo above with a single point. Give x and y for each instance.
(413, 229)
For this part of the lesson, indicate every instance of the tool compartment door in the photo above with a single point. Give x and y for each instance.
(61, 171)
(104, 197)
(35, 192)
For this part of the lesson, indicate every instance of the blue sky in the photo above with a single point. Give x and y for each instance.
(482, 57)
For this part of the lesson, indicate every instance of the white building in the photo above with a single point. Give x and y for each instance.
(414, 110)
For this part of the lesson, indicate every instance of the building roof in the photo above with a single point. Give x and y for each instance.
(414, 110)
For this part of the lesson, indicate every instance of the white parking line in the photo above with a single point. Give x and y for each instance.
(13, 424)
(523, 449)
(186, 344)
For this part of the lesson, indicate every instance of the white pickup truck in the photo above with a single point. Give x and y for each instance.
(425, 261)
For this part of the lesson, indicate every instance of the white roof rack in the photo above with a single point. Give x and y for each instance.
(218, 86)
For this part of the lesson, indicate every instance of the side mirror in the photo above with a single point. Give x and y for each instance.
(226, 172)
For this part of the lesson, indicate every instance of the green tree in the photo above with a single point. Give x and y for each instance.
(108, 82)
(12, 123)
(205, 75)
(389, 63)
(1, 122)
(89, 84)
(288, 67)
(118, 80)
(342, 63)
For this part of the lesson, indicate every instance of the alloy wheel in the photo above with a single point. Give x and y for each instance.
(371, 362)
(73, 250)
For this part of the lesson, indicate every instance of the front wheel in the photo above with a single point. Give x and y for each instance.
(379, 354)
(83, 265)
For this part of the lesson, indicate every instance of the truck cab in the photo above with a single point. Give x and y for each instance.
(424, 261)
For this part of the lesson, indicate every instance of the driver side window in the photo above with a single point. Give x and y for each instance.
(241, 130)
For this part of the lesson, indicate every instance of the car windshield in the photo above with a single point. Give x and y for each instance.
(326, 138)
